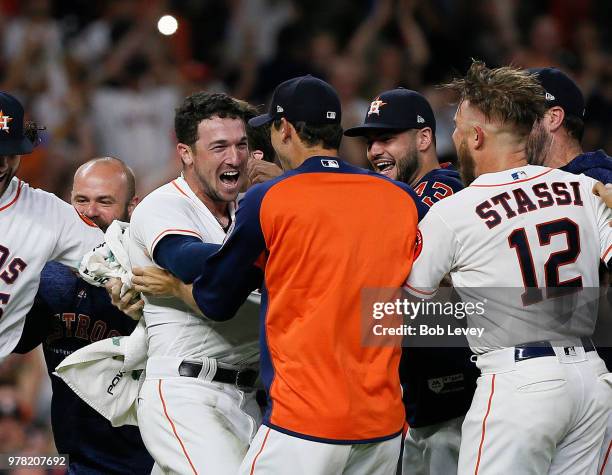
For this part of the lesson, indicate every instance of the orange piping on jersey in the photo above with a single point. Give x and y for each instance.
(517, 181)
(260, 451)
(603, 465)
(606, 253)
(419, 291)
(179, 188)
(86, 220)
(16, 196)
(174, 428)
(484, 422)
(165, 231)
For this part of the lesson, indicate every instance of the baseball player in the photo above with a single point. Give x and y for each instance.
(334, 406)
(35, 228)
(68, 314)
(557, 140)
(197, 412)
(399, 128)
(532, 233)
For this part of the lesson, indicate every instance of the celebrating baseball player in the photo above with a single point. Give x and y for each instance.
(197, 412)
(540, 406)
(68, 313)
(35, 227)
(557, 144)
(334, 406)
(399, 128)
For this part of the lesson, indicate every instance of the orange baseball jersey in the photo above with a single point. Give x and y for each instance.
(318, 235)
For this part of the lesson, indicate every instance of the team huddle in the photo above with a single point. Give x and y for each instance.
(265, 210)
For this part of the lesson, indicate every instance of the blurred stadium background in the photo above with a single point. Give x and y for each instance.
(104, 77)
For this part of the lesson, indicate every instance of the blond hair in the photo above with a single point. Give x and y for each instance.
(506, 95)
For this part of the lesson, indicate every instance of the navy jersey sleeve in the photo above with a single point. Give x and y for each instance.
(38, 324)
(421, 208)
(230, 275)
(437, 185)
(182, 255)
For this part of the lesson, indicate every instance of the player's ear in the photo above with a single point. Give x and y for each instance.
(553, 119)
(424, 139)
(477, 137)
(185, 154)
(132, 204)
(285, 129)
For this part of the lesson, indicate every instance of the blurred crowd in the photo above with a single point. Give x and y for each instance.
(103, 80)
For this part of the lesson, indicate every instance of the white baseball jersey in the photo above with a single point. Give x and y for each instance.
(528, 231)
(172, 327)
(35, 227)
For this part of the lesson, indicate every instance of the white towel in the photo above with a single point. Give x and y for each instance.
(108, 374)
(110, 259)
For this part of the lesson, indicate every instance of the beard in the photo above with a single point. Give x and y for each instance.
(538, 145)
(467, 166)
(407, 165)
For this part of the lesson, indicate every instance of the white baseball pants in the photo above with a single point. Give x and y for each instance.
(432, 450)
(192, 426)
(544, 415)
(275, 453)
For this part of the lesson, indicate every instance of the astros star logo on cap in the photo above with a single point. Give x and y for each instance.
(375, 106)
(4, 120)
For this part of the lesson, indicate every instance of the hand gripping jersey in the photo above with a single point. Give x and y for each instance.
(35, 227)
(321, 233)
(531, 229)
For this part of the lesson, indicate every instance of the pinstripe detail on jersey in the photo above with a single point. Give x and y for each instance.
(179, 189)
(175, 231)
(514, 182)
(12, 202)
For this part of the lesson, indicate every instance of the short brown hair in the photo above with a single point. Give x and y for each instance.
(327, 136)
(509, 95)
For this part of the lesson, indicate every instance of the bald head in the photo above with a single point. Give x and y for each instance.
(104, 190)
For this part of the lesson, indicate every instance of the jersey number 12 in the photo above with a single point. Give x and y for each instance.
(554, 287)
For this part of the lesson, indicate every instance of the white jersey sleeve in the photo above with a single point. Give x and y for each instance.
(435, 258)
(76, 235)
(162, 214)
(603, 214)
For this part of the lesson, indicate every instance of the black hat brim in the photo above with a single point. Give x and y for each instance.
(260, 120)
(16, 147)
(362, 130)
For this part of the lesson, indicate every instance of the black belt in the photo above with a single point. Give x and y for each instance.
(537, 349)
(242, 378)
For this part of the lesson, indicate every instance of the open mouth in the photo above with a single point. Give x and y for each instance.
(384, 166)
(230, 177)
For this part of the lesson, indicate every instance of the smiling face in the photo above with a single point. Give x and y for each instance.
(394, 154)
(218, 159)
(100, 191)
(8, 168)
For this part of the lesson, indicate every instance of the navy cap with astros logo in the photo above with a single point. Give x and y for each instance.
(560, 90)
(396, 110)
(302, 99)
(12, 139)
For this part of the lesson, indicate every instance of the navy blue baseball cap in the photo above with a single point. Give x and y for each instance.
(12, 139)
(396, 110)
(305, 98)
(560, 90)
